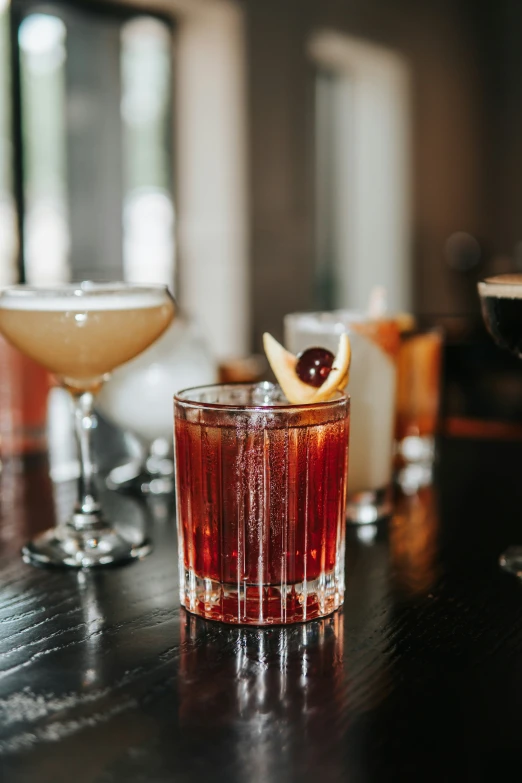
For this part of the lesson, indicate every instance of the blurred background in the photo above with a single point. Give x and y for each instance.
(268, 156)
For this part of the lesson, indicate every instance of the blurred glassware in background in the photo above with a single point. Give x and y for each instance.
(138, 399)
(24, 388)
(110, 444)
(372, 389)
(250, 369)
(418, 401)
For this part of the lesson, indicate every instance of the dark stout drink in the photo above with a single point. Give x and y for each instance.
(501, 299)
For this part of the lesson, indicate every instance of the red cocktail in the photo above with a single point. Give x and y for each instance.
(261, 488)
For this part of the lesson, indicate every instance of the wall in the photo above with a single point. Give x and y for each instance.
(441, 42)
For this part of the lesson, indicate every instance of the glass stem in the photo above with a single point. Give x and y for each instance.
(87, 514)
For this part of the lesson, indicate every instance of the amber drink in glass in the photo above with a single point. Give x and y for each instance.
(261, 492)
(418, 399)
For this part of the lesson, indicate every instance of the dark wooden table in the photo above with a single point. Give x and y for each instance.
(103, 678)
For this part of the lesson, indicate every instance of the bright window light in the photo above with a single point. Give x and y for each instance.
(46, 232)
(42, 41)
(148, 210)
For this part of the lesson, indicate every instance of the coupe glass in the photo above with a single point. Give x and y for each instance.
(80, 333)
(501, 300)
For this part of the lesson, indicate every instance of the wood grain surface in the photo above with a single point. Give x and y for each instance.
(104, 679)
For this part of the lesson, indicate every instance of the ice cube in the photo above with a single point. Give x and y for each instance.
(267, 393)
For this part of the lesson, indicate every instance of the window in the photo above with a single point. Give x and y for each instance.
(94, 143)
(362, 173)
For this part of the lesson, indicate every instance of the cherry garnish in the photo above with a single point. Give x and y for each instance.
(314, 366)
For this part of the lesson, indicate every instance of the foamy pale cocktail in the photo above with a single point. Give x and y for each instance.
(82, 338)
(80, 332)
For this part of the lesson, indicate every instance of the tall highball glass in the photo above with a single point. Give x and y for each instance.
(80, 333)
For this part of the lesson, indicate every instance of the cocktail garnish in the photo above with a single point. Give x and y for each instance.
(289, 370)
(314, 366)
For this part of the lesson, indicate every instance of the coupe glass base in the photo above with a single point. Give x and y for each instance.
(133, 480)
(154, 476)
(366, 508)
(64, 547)
(511, 560)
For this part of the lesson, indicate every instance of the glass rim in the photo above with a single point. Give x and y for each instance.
(509, 278)
(219, 406)
(422, 330)
(503, 286)
(84, 288)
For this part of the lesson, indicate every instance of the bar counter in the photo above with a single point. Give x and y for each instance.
(104, 679)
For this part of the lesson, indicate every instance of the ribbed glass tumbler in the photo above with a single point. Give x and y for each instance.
(261, 490)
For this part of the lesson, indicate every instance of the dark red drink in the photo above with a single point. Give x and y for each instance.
(261, 497)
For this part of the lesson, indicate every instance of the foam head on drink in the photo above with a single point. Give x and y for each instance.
(83, 338)
(501, 301)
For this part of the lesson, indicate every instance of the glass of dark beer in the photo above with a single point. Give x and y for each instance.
(501, 300)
